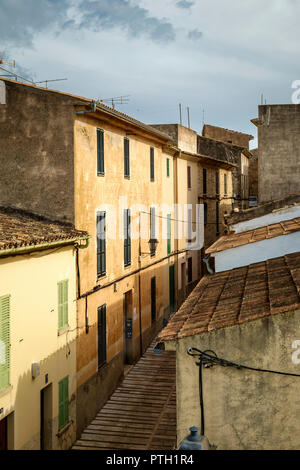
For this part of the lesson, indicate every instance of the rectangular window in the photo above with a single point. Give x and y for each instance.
(217, 218)
(100, 152)
(101, 335)
(225, 184)
(63, 402)
(169, 234)
(63, 303)
(217, 184)
(190, 270)
(126, 158)
(127, 238)
(189, 179)
(151, 164)
(101, 244)
(205, 213)
(153, 299)
(190, 225)
(152, 231)
(168, 167)
(4, 341)
(204, 174)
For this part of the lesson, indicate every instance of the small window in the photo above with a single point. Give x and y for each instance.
(189, 179)
(101, 244)
(217, 218)
(100, 152)
(190, 270)
(190, 225)
(126, 158)
(225, 184)
(151, 164)
(4, 342)
(127, 238)
(168, 167)
(63, 403)
(63, 302)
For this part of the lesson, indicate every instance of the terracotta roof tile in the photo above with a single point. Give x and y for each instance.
(237, 296)
(21, 229)
(233, 240)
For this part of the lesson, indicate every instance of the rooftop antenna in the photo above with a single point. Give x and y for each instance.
(203, 117)
(55, 80)
(180, 114)
(262, 99)
(116, 100)
(188, 116)
(15, 75)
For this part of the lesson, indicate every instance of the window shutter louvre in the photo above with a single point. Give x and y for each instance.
(168, 167)
(151, 164)
(4, 341)
(126, 158)
(100, 152)
(169, 234)
(66, 400)
(63, 303)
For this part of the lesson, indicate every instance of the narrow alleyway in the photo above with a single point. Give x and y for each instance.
(141, 413)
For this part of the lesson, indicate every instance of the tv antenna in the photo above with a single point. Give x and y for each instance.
(116, 100)
(55, 80)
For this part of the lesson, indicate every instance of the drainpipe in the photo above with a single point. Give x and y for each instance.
(206, 261)
(175, 183)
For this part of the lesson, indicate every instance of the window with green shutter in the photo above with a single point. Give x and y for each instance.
(63, 297)
(168, 167)
(4, 341)
(127, 238)
(151, 164)
(63, 402)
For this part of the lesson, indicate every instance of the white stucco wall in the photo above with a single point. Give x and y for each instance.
(268, 219)
(257, 252)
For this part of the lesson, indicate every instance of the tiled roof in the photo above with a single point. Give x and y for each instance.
(100, 105)
(233, 240)
(21, 229)
(238, 296)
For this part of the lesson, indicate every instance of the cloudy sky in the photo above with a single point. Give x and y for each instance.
(216, 56)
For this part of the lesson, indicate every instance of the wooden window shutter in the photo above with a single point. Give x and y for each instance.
(101, 335)
(169, 234)
(127, 238)
(63, 303)
(101, 244)
(151, 164)
(4, 341)
(100, 152)
(168, 167)
(189, 179)
(126, 158)
(63, 402)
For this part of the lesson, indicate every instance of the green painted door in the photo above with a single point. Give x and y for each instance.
(172, 288)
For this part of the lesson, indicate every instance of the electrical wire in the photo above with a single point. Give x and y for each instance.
(209, 360)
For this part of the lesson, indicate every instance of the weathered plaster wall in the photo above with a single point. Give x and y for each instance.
(244, 410)
(279, 151)
(36, 152)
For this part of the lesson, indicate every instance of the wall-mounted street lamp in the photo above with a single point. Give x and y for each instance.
(194, 441)
(153, 242)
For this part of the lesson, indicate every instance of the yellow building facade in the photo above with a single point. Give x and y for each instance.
(38, 330)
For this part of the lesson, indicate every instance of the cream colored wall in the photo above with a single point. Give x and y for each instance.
(243, 409)
(31, 281)
(187, 139)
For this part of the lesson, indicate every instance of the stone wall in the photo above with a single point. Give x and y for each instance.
(279, 151)
(226, 135)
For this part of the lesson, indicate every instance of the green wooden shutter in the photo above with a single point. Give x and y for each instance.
(4, 341)
(63, 297)
(126, 158)
(63, 402)
(168, 167)
(151, 164)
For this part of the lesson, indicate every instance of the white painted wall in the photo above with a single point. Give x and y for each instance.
(257, 252)
(268, 219)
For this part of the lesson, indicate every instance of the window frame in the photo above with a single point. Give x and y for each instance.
(152, 168)
(126, 157)
(127, 237)
(100, 152)
(63, 304)
(101, 244)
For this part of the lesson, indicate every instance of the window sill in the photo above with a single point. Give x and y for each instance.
(127, 177)
(101, 276)
(63, 330)
(6, 390)
(64, 429)
(100, 174)
(127, 265)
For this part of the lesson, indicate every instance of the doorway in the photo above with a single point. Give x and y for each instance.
(46, 418)
(128, 325)
(3, 434)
